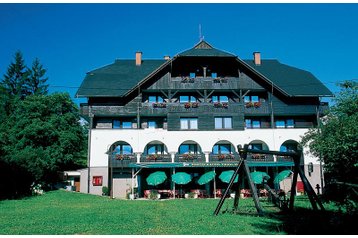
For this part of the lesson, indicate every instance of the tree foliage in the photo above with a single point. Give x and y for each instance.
(43, 136)
(37, 80)
(40, 134)
(335, 141)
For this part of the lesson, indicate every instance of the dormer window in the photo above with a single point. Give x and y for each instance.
(155, 99)
(252, 98)
(185, 99)
(220, 99)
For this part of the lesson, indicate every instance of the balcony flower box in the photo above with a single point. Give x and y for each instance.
(258, 156)
(189, 156)
(191, 105)
(221, 105)
(159, 105)
(187, 80)
(253, 104)
(152, 157)
(225, 157)
(122, 157)
(220, 80)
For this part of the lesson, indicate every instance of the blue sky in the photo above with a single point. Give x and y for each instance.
(72, 39)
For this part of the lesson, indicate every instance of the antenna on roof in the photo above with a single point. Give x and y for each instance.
(201, 37)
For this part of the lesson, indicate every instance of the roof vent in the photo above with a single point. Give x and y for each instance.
(257, 58)
(166, 57)
(138, 58)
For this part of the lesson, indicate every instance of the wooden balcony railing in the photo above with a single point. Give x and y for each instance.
(189, 158)
(117, 161)
(155, 158)
(223, 157)
(260, 158)
(280, 158)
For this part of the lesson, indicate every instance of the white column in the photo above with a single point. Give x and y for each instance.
(172, 154)
(138, 156)
(206, 156)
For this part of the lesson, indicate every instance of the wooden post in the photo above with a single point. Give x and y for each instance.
(238, 189)
(253, 190)
(296, 161)
(221, 202)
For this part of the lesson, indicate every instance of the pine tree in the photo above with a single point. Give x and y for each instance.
(16, 77)
(37, 82)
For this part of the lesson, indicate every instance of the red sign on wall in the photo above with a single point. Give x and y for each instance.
(97, 180)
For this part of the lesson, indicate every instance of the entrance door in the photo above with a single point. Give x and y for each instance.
(121, 185)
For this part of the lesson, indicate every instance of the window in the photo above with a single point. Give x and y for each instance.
(120, 124)
(290, 123)
(219, 99)
(251, 123)
(222, 149)
(256, 146)
(97, 180)
(152, 124)
(256, 124)
(185, 99)
(116, 124)
(154, 99)
(126, 124)
(252, 98)
(123, 149)
(223, 123)
(189, 123)
(155, 149)
(188, 149)
(280, 124)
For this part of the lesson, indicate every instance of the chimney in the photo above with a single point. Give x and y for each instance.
(257, 58)
(167, 57)
(138, 58)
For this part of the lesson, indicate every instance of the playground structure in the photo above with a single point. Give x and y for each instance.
(243, 171)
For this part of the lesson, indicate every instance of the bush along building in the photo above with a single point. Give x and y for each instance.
(190, 113)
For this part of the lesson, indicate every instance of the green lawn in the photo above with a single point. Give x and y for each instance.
(61, 212)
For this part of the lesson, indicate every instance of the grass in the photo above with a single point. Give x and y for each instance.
(61, 212)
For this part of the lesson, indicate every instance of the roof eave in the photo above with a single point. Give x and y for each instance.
(264, 78)
(148, 76)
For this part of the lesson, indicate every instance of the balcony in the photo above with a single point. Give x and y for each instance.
(205, 107)
(257, 108)
(223, 157)
(204, 83)
(260, 158)
(280, 158)
(189, 158)
(120, 161)
(154, 158)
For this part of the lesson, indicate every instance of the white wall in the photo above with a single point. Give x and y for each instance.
(102, 139)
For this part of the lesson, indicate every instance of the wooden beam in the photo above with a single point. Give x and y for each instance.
(245, 93)
(221, 202)
(253, 190)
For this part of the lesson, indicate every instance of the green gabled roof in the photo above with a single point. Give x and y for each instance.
(293, 81)
(116, 79)
(204, 49)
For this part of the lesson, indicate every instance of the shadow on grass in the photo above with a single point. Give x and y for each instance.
(303, 220)
(306, 221)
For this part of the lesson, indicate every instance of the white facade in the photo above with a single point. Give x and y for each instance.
(102, 139)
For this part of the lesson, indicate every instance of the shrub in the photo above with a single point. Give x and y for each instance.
(105, 191)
